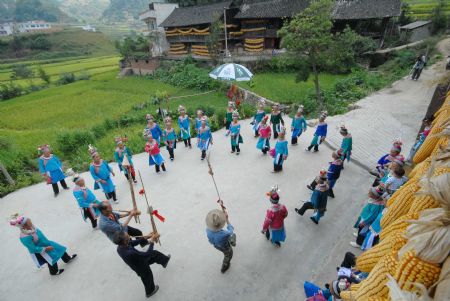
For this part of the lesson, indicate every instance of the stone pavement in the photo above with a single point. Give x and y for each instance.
(391, 113)
(184, 195)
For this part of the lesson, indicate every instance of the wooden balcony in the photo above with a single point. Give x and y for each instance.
(187, 39)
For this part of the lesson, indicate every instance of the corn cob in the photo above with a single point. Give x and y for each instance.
(355, 286)
(348, 295)
(375, 284)
(412, 269)
(420, 169)
(370, 258)
(422, 202)
(442, 143)
(379, 298)
(399, 206)
(430, 142)
(398, 226)
(440, 170)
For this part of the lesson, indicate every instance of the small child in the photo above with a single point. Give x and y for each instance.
(395, 179)
(204, 138)
(170, 137)
(154, 153)
(346, 144)
(234, 131)
(334, 171)
(273, 226)
(320, 134)
(298, 125)
(264, 135)
(280, 152)
(276, 119)
(318, 202)
(229, 115)
(259, 116)
(153, 127)
(185, 126)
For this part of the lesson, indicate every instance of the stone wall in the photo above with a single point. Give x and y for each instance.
(253, 99)
(144, 66)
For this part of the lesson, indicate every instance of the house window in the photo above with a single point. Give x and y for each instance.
(152, 24)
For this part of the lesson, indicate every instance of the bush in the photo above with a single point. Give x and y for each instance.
(69, 142)
(21, 71)
(66, 78)
(40, 43)
(43, 75)
(10, 90)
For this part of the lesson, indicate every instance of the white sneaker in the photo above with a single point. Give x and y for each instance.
(355, 234)
(116, 202)
(355, 245)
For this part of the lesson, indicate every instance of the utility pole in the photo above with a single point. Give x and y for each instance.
(225, 28)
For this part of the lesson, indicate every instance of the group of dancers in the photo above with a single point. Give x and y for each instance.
(102, 216)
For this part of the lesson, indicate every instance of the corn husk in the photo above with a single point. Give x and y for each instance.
(442, 286)
(397, 294)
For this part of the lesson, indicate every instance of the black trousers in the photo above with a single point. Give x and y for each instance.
(132, 176)
(203, 154)
(147, 276)
(256, 133)
(162, 166)
(87, 214)
(227, 125)
(278, 166)
(56, 188)
(294, 140)
(316, 147)
(227, 251)
(235, 148)
(53, 269)
(170, 150)
(275, 133)
(187, 142)
(306, 206)
(112, 195)
(416, 73)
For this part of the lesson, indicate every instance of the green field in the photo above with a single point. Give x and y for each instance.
(421, 9)
(90, 66)
(282, 87)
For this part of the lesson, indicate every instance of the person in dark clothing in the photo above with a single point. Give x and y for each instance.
(318, 202)
(334, 171)
(140, 261)
(418, 67)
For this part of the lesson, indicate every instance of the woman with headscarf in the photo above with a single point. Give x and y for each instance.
(42, 250)
(264, 133)
(120, 153)
(184, 124)
(101, 172)
(273, 226)
(51, 169)
(320, 134)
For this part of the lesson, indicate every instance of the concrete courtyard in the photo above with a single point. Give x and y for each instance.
(184, 195)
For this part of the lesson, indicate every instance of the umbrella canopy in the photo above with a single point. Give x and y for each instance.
(231, 72)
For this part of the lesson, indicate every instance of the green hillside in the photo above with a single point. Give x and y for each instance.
(422, 9)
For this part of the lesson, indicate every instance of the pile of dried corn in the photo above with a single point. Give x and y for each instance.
(415, 235)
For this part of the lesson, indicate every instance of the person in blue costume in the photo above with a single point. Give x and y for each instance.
(234, 132)
(369, 214)
(51, 169)
(154, 128)
(264, 135)
(383, 163)
(276, 119)
(154, 153)
(87, 201)
(101, 172)
(334, 171)
(259, 116)
(320, 134)
(346, 145)
(42, 250)
(318, 202)
(281, 152)
(204, 137)
(184, 124)
(120, 153)
(298, 125)
(170, 137)
(198, 121)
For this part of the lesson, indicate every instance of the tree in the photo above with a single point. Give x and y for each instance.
(439, 18)
(21, 71)
(309, 34)
(137, 48)
(43, 75)
(16, 45)
(213, 39)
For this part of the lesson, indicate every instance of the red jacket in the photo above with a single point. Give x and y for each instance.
(275, 217)
(152, 149)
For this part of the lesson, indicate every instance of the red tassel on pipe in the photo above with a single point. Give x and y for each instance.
(160, 217)
(142, 191)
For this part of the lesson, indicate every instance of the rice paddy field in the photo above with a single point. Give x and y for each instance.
(421, 9)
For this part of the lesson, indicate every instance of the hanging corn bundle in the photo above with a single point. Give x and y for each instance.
(375, 284)
(370, 258)
(400, 206)
(420, 169)
(398, 226)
